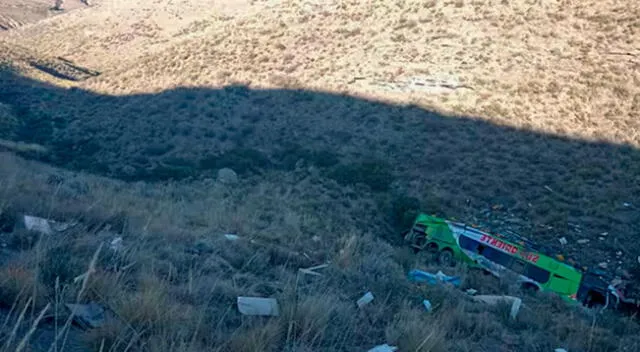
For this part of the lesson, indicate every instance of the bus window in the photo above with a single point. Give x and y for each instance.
(495, 255)
(468, 243)
(537, 274)
(518, 266)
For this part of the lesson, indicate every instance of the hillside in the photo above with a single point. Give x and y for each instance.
(341, 119)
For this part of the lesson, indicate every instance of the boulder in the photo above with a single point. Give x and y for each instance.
(227, 176)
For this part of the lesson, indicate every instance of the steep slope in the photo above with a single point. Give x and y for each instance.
(508, 114)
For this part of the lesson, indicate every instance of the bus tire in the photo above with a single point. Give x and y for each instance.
(595, 301)
(431, 247)
(530, 288)
(446, 258)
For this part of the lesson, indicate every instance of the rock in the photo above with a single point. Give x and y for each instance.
(258, 306)
(227, 176)
(58, 5)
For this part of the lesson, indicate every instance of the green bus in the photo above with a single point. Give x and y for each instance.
(456, 242)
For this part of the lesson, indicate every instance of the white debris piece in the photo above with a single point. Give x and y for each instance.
(116, 244)
(471, 291)
(427, 305)
(61, 226)
(33, 223)
(258, 306)
(563, 241)
(603, 265)
(384, 348)
(312, 270)
(583, 241)
(365, 299)
(560, 350)
(516, 302)
(231, 237)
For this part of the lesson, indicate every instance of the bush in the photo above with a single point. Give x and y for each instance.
(404, 210)
(289, 156)
(375, 174)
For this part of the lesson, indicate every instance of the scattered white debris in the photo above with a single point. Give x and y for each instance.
(603, 265)
(90, 315)
(312, 270)
(563, 241)
(227, 176)
(384, 348)
(516, 302)
(427, 305)
(365, 299)
(258, 306)
(316, 238)
(638, 259)
(583, 241)
(626, 205)
(471, 291)
(619, 253)
(604, 234)
(548, 188)
(560, 350)
(116, 244)
(33, 223)
(231, 237)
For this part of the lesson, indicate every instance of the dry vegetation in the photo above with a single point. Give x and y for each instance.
(343, 118)
(174, 286)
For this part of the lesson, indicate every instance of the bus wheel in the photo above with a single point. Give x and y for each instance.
(432, 248)
(529, 288)
(596, 301)
(445, 258)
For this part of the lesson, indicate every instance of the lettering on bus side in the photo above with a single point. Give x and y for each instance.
(496, 243)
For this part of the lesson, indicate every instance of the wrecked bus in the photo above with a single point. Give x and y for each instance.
(456, 242)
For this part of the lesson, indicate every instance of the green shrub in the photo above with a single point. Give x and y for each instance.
(404, 210)
(375, 174)
(289, 156)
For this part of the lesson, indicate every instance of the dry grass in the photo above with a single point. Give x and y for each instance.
(548, 95)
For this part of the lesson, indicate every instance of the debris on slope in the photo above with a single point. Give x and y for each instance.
(258, 306)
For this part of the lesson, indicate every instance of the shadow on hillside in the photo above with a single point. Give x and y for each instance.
(462, 164)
